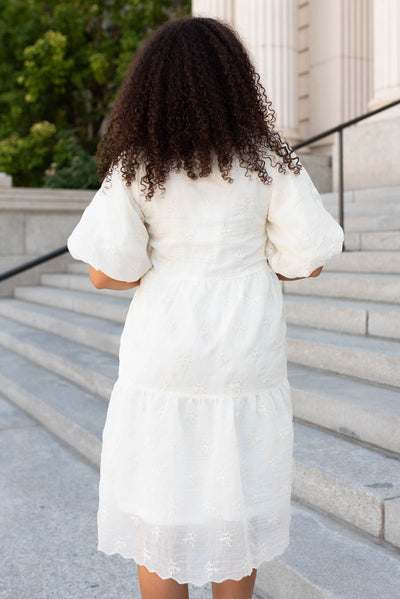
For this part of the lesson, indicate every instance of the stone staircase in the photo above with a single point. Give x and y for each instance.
(59, 359)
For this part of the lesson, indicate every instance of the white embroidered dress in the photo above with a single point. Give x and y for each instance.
(196, 464)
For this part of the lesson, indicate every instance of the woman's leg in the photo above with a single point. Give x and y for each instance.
(154, 587)
(235, 589)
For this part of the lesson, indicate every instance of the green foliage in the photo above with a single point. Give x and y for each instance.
(61, 64)
(73, 167)
(24, 156)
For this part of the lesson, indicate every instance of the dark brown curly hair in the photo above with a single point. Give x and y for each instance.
(191, 90)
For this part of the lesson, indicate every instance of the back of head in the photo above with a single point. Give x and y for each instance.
(190, 94)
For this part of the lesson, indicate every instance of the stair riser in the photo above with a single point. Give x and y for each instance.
(330, 318)
(91, 338)
(381, 263)
(392, 521)
(343, 320)
(377, 222)
(336, 498)
(80, 305)
(380, 430)
(375, 368)
(346, 288)
(275, 580)
(89, 381)
(81, 283)
(380, 240)
(68, 432)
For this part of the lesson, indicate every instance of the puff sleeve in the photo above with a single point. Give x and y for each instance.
(111, 235)
(301, 234)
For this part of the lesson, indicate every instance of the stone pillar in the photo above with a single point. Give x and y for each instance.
(386, 32)
(221, 9)
(340, 61)
(269, 30)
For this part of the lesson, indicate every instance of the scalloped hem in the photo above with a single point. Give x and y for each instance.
(199, 583)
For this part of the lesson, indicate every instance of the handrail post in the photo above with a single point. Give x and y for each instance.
(341, 193)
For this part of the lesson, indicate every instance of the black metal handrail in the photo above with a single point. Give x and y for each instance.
(338, 129)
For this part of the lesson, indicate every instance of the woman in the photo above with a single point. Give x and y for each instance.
(203, 208)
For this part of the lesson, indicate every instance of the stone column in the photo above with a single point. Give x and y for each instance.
(221, 9)
(386, 32)
(340, 76)
(269, 30)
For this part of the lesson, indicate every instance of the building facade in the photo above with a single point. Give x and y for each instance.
(323, 62)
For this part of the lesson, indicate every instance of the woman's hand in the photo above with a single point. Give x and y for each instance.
(102, 281)
(315, 273)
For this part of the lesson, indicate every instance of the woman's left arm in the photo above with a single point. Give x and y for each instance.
(102, 281)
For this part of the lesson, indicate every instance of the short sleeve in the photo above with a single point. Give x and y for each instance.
(111, 235)
(301, 234)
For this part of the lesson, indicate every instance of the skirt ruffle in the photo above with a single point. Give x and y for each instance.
(196, 488)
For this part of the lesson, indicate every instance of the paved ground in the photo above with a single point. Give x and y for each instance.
(48, 526)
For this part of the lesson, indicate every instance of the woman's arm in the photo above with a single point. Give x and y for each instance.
(102, 281)
(315, 273)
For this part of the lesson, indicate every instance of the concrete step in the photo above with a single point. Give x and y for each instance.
(345, 316)
(375, 221)
(89, 369)
(349, 261)
(372, 287)
(76, 418)
(78, 268)
(365, 261)
(374, 360)
(80, 282)
(106, 307)
(94, 332)
(375, 196)
(359, 286)
(366, 568)
(347, 481)
(367, 414)
(372, 240)
(49, 498)
(326, 560)
(72, 415)
(88, 330)
(390, 205)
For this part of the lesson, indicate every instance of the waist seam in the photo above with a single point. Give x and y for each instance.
(266, 266)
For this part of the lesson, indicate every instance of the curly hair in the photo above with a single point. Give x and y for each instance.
(190, 91)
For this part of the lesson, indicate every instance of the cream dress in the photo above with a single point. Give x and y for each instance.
(196, 463)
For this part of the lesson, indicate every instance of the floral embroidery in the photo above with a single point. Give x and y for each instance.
(146, 555)
(274, 519)
(184, 360)
(156, 532)
(257, 495)
(211, 568)
(254, 439)
(173, 567)
(190, 538)
(226, 539)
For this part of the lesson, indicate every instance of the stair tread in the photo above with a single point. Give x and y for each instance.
(337, 559)
(72, 280)
(366, 396)
(73, 318)
(342, 303)
(368, 470)
(85, 295)
(81, 407)
(352, 342)
(76, 353)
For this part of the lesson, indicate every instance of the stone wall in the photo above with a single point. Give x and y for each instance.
(34, 222)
